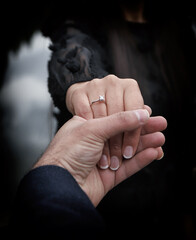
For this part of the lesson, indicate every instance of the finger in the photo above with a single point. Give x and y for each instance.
(98, 105)
(148, 109)
(104, 162)
(130, 143)
(99, 110)
(96, 95)
(160, 153)
(107, 127)
(153, 137)
(115, 104)
(133, 99)
(132, 95)
(80, 105)
(138, 162)
(155, 124)
(154, 140)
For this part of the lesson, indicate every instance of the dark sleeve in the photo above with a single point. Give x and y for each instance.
(49, 202)
(76, 57)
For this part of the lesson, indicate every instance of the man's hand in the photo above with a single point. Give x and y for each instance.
(78, 147)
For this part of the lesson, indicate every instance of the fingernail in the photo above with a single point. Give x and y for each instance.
(142, 115)
(103, 163)
(114, 163)
(128, 152)
(161, 156)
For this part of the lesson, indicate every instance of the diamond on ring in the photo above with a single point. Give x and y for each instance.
(101, 99)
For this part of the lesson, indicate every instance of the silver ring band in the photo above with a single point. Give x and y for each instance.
(101, 99)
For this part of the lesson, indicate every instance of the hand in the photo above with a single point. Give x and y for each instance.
(78, 146)
(120, 95)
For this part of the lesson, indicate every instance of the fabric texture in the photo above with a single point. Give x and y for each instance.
(49, 202)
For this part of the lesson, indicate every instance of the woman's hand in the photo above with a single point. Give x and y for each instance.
(120, 95)
(79, 143)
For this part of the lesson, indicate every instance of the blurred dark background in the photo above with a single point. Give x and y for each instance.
(25, 105)
(20, 23)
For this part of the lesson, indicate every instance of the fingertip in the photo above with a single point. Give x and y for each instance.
(142, 115)
(162, 156)
(160, 153)
(164, 122)
(103, 162)
(114, 163)
(149, 109)
(128, 152)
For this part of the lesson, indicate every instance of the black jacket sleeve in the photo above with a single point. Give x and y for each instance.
(49, 202)
(76, 57)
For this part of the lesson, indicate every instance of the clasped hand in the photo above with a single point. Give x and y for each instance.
(120, 95)
(81, 142)
(78, 146)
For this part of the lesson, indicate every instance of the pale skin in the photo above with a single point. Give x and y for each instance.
(120, 95)
(79, 143)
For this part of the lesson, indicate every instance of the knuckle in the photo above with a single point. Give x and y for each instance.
(75, 96)
(94, 81)
(112, 79)
(76, 92)
(93, 84)
(84, 111)
(124, 119)
(136, 95)
(114, 82)
(111, 76)
(84, 114)
(133, 83)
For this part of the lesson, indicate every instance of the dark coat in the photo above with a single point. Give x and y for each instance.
(50, 203)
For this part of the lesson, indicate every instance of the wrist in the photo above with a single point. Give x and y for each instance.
(55, 161)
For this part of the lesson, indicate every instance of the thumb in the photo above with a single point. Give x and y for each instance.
(112, 125)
